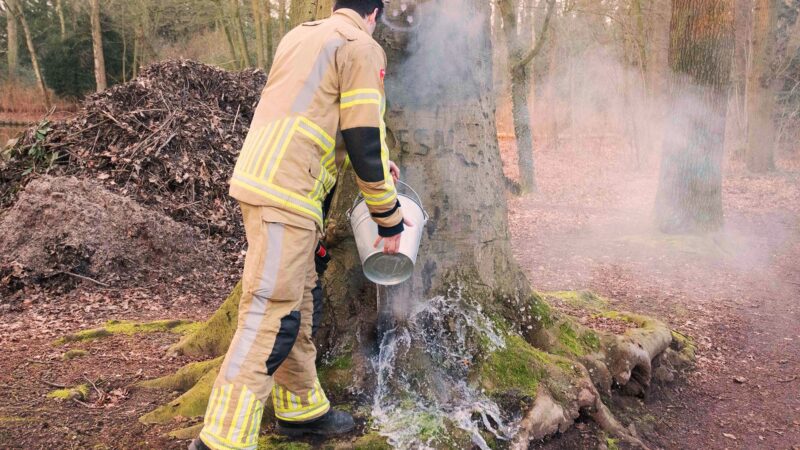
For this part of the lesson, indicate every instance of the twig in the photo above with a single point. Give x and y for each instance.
(80, 402)
(233, 127)
(55, 385)
(99, 392)
(36, 361)
(787, 380)
(100, 283)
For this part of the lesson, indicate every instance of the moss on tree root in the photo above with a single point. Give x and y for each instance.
(127, 327)
(212, 338)
(190, 404)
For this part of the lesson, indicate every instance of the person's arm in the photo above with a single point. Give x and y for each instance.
(362, 105)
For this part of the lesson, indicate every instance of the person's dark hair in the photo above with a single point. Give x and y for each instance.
(363, 7)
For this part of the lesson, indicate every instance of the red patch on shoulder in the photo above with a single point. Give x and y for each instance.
(383, 74)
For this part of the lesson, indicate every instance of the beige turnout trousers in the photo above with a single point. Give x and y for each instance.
(272, 350)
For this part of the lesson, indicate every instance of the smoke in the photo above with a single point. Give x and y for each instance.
(440, 39)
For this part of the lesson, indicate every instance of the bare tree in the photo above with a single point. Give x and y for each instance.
(521, 53)
(689, 195)
(16, 9)
(97, 47)
(13, 43)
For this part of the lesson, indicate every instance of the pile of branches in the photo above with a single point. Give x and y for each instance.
(168, 139)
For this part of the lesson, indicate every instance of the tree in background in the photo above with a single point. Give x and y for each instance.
(15, 8)
(689, 197)
(97, 46)
(13, 43)
(521, 52)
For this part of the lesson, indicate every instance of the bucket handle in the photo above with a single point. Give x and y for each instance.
(419, 201)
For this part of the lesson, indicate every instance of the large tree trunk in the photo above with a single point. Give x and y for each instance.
(468, 312)
(762, 88)
(13, 44)
(689, 195)
(16, 9)
(97, 47)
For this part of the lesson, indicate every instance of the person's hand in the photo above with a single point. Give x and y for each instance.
(394, 170)
(391, 245)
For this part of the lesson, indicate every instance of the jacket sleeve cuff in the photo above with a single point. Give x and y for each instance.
(391, 231)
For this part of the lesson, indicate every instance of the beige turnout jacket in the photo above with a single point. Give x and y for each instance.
(323, 102)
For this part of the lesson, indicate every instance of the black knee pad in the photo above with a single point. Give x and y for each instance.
(317, 294)
(284, 341)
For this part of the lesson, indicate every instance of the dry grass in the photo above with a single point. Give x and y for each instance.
(20, 102)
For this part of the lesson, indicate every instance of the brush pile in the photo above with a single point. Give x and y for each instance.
(168, 140)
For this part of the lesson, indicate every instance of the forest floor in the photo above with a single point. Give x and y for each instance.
(736, 292)
(589, 227)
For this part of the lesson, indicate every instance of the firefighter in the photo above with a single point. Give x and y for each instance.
(322, 109)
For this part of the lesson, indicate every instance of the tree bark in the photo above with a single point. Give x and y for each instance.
(238, 31)
(762, 88)
(259, 28)
(269, 31)
(16, 9)
(13, 43)
(97, 47)
(281, 18)
(689, 195)
(301, 11)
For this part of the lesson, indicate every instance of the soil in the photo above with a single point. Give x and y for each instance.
(62, 229)
(734, 292)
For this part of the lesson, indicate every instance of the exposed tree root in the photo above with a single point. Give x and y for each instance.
(214, 336)
(560, 376)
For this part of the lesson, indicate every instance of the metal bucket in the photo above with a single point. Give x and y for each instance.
(380, 268)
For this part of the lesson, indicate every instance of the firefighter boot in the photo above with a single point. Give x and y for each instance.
(197, 444)
(331, 424)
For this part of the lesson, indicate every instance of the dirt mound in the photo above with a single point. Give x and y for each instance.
(63, 230)
(168, 139)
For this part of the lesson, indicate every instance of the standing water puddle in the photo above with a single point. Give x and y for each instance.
(422, 394)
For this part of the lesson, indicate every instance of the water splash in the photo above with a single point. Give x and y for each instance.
(415, 411)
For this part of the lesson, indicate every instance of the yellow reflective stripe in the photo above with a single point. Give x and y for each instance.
(252, 433)
(266, 151)
(329, 141)
(252, 148)
(318, 410)
(210, 407)
(274, 164)
(248, 411)
(315, 214)
(361, 91)
(237, 413)
(365, 101)
(215, 415)
(316, 139)
(220, 443)
(224, 414)
(313, 206)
